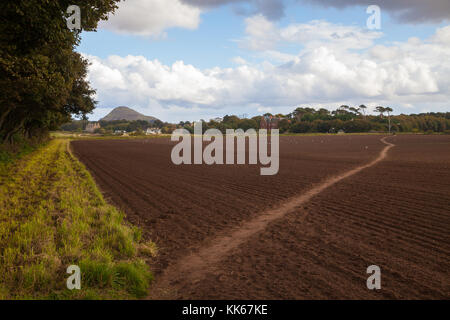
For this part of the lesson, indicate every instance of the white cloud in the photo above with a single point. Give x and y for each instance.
(151, 18)
(442, 36)
(264, 35)
(239, 60)
(264, 109)
(404, 74)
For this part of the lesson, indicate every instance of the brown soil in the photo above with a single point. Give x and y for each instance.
(336, 206)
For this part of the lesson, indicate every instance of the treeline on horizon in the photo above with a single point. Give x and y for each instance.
(347, 119)
(301, 120)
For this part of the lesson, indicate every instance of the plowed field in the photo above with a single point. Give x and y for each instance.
(337, 205)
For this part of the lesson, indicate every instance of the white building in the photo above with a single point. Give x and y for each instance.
(92, 126)
(153, 131)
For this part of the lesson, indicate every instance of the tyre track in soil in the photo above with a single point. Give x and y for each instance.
(193, 266)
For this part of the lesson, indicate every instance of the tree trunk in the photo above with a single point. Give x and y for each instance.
(9, 135)
(389, 120)
(3, 116)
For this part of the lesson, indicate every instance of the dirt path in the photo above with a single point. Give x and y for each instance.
(192, 267)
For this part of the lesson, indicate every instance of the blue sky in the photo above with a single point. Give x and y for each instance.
(220, 60)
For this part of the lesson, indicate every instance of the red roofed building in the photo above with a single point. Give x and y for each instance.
(269, 122)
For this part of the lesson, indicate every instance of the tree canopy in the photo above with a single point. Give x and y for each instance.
(43, 78)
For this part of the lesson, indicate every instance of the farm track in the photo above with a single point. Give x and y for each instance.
(192, 267)
(394, 213)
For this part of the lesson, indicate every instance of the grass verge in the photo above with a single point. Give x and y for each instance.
(94, 136)
(52, 215)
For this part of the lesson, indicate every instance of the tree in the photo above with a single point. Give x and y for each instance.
(246, 124)
(301, 127)
(363, 109)
(389, 110)
(231, 121)
(284, 125)
(343, 113)
(381, 110)
(355, 110)
(43, 79)
(323, 113)
(298, 113)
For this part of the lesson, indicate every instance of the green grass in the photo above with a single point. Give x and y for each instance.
(90, 136)
(52, 215)
(12, 152)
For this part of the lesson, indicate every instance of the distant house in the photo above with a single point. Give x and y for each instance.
(119, 132)
(153, 131)
(269, 122)
(92, 126)
(218, 119)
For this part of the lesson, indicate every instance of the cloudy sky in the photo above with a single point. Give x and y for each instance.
(199, 59)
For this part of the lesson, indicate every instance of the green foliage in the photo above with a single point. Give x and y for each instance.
(21, 147)
(43, 79)
(132, 277)
(348, 119)
(301, 127)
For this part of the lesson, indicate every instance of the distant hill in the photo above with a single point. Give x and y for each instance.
(125, 113)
